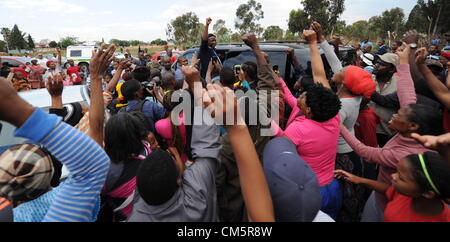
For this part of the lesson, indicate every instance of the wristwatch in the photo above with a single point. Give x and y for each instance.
(413, 45)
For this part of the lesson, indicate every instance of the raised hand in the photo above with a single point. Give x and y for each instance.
(208, 21)
(223, 105)
(250, 40)
(310, 36)
(55, 85)
(101, 60)
(403, 53)
(289, 52)
(421, 55)
(318, 29)
(411, 37)
(340, 174)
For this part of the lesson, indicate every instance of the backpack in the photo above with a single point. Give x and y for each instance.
(137, 110)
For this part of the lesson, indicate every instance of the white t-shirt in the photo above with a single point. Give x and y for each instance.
(43, 62)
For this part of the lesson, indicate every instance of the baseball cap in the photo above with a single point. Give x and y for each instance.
(293, 185)
(390, 58)
(433, 62)
(26, 171)
(368, 58)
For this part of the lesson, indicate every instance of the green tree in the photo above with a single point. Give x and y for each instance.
(436, 12)
(53, 44)
(273, 33)
(417, 20)
(247, 16)
(3, 46)
(298, 21)
(17, 39)
(289, 36)
(184, 30)
(220, 28)
(159, 42)
(135, 42)
(6, 33)
(326, 12)
(390, 20)
(121, 43)
(68, 41)
(236, 37)
(30, 42)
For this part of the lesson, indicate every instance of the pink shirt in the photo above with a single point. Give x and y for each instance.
(316, 142)
(164, 128)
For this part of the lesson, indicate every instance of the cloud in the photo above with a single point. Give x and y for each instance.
(43, 5)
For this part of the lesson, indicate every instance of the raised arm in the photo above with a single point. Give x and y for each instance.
(55, 88)
(328, 50)
(316, 61)
(412, 37)
(377, 155)
(377, 186)
(438, 88)
(405, 85)
(99, 64)
(253, 183)
(87, 163)
(58, 50)
(116, 78)
(206, 29)
(266, 79)
(288, 97)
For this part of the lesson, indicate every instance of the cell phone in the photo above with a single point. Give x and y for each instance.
(237, 69)
(276, 68)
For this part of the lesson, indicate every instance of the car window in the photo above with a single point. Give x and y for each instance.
(238, 58)
(75, 53)
(12, 63)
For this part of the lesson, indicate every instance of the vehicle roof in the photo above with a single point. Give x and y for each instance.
(41, 98)
(19, 58)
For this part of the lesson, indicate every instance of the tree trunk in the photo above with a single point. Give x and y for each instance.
(429, 28)
(437, 19)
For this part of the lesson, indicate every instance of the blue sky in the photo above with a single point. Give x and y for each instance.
(147, 20)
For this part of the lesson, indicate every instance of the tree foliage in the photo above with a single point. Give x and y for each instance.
(184, 30)
(17, 39)
(326, 12)
(159, 42)
(220, 28)
(30, 42)
(298, 21)
(53, 44)
(3, 46)
(247, 16)
(68, 41)
(273, 33)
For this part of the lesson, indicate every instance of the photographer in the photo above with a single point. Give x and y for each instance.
(135, 93)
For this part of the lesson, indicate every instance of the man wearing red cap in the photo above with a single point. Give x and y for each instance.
(53, 68)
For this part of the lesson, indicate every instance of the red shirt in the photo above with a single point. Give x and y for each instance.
(366, 127)
(74, 70)
(399, 209)
(25, 74)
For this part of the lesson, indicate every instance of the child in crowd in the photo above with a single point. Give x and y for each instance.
(418, 190)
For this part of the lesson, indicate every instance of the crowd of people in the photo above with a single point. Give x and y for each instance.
(172, 140)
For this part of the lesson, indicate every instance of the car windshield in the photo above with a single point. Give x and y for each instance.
(238, 58)
(41, 99)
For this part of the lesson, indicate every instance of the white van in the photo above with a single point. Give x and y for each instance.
(81, 55)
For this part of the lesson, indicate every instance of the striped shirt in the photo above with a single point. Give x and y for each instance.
(86, 161)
